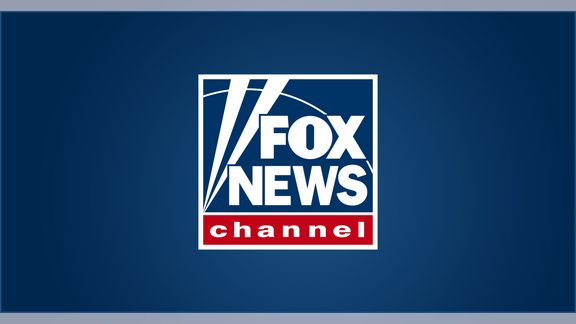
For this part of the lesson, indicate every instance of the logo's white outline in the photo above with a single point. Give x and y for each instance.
(201, 212)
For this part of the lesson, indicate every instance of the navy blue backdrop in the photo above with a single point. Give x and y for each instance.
(476, 162)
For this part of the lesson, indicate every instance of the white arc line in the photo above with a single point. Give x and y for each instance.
(238, 86)
(282, 94)
(270, 94)
(304, 102)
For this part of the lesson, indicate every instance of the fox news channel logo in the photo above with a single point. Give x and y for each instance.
(287, 162)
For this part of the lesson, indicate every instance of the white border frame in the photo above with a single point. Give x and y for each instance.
(201, 213)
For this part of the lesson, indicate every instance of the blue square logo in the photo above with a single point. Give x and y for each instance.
(287, 161)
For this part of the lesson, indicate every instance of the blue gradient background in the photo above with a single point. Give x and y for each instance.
(476, 162)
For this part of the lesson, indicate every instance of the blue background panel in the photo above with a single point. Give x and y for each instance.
(476, 162)
(342, 98)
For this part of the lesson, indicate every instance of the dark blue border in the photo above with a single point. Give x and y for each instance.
(335, 12)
